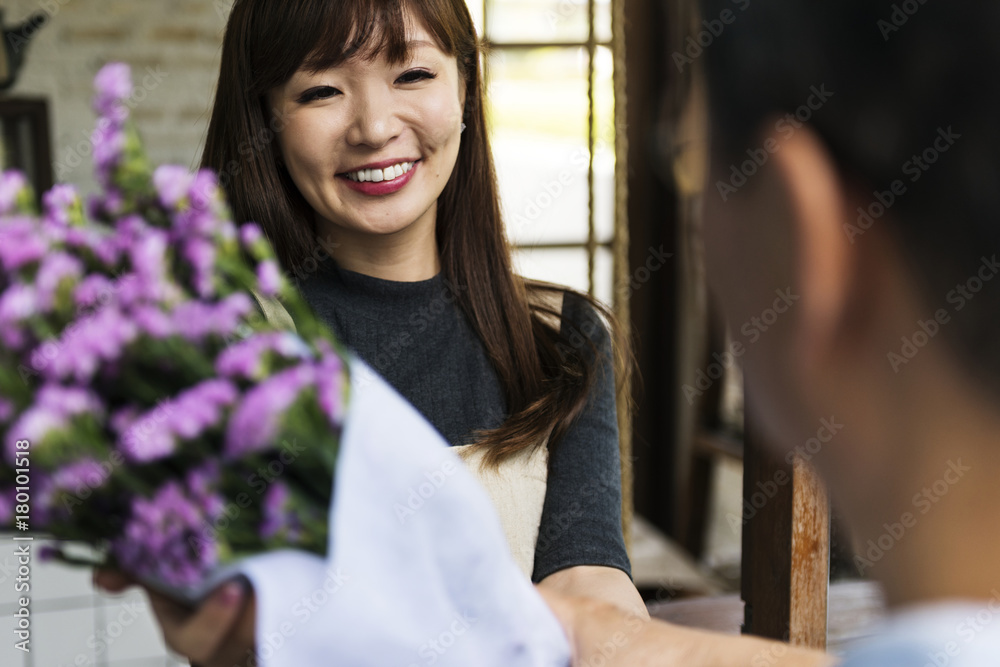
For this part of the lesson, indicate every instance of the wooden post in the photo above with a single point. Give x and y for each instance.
(810, 558)
(786, 548)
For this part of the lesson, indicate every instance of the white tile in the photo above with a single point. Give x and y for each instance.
(63, 638)
(8, 572)
(128, 630)
(52, 580)
(9, 656)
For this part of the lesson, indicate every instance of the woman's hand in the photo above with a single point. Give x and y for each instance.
(219, 633)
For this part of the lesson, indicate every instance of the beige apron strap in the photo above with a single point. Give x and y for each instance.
(517, 489)
(274, 312)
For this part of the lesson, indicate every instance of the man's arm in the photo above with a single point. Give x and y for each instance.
(628, 640)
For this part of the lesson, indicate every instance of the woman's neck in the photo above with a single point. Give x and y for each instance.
(409, 255)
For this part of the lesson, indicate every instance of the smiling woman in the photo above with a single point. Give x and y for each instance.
(359, 126)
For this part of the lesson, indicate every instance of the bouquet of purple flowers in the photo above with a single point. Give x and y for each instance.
(147, 410)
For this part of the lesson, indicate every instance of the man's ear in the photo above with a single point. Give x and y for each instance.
(826, 271)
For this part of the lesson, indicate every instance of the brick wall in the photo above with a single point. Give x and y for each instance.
(173, 47)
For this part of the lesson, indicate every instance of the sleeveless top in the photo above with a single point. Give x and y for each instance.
(564, 502)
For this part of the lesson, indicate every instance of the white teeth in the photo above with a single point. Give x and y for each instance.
(380, 175)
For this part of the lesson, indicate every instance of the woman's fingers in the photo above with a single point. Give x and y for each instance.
(219, 631)
(112, 581)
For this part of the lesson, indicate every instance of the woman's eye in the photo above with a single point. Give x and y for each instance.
(319, 93)
(415, 75)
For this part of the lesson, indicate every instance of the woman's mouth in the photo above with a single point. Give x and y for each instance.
(380, 180)
(379, 175)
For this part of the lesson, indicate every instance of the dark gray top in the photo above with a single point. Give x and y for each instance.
(417, 337)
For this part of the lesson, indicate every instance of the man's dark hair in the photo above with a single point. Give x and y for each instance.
(903, 74)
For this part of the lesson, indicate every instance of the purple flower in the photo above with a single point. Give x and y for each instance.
(165, 538)
(330, 386)
(200, 254)
(58, 201)
(6, 410)
(195, 320)
(108, 204)
(69, 401)
(98, 240)
(92, 290)
(17, 303)
(12, 182)
(114, 81)
(147, 437)
(245, 359)
(203, 483)
(34, 425)
(278, 516)
(86, 344)
(56, 268)
(250, 234)
(194, 222)
(154, 435)
(148, 255)
(204, 190)
(172, 183)
(254, 424)
(153, 322)
(200, 407)
(54, 406)
(123, 418)
(268, 277)
(109, 144)
(67, 486)
(113, 85)
(20, 243)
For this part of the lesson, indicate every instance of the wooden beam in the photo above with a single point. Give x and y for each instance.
(810, 558)
(786, 548)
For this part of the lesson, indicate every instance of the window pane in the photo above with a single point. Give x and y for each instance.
(564, 267)
(602, 21)
(539, 125)
(604, 276)
(604, 145)
(538, 20)
(476, 9)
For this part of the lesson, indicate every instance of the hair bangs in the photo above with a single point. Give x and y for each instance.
(364, 29)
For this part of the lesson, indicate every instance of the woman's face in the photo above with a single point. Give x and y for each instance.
(371, 145)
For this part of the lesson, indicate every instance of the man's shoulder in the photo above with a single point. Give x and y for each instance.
(956, 634)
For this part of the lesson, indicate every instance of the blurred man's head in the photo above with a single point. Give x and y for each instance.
(856, 161)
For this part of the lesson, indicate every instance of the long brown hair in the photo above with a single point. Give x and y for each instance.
(545, 375)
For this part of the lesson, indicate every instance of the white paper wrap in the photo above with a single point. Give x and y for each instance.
(418, 570)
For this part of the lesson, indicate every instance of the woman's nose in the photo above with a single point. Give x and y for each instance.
(374, 122)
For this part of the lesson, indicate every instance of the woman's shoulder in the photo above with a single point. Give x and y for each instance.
(570, 311)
